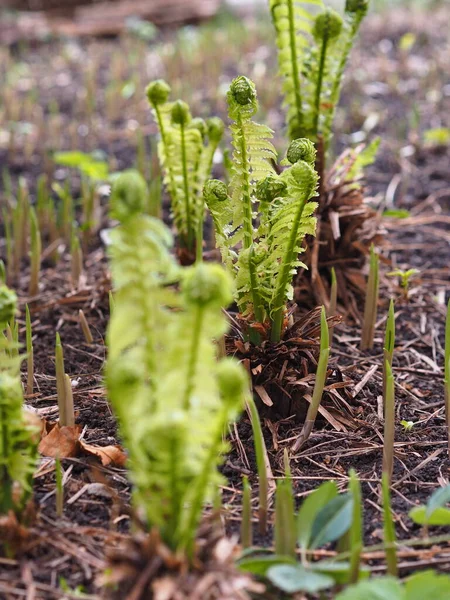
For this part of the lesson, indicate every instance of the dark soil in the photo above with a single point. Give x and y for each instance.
(390, 92)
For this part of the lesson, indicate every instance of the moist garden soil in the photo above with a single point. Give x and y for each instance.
(390, 91)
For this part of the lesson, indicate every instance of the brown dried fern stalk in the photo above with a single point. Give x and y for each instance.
(347, 226)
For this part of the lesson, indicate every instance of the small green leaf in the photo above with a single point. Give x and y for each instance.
(428, 585)
(292, 579)
(339, 571)
(440, 136)
(440, 516)
(383, 588)
(437, 500)
(398, 213)
(259, 565)
(310, 508)
(332, 521)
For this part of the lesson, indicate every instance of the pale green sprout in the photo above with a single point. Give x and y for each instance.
(371, 303)
(405, 278)
(321, 374)
(260, 452)
(246, 521)
(390, 540)
(389, 422)
(407, 425)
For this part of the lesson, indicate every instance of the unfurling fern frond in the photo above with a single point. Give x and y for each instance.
(18, 440)
(313, 49)
(171, 396)
(260, 225)
(186, 151)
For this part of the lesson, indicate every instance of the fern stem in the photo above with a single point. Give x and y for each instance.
(187, 206)
(294, 63)
(162, 130)
(246, 197)
(284, 277)
(193, 356)
(323, 54)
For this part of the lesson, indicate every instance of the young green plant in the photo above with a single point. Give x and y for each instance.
(389, 343)
(186, 150)
(389, 422)
(390, 541)
(371, 304)
(267, 257)
(171, 412)
(321, 374)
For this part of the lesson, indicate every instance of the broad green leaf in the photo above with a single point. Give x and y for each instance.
(88, 164)
(428, 585)
(437, 500)
(332, 521)
(292, 579)
(339, 571)
(440, 516)
(384, 588)
(310, 508)
(259, 565)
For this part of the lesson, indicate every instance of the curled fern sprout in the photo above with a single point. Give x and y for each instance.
(129, 194)
(180, 113)
(327, 26)
(215, 128)
(158, 92)
(232, 379)
(207, 285)
(215, 190)
(357, 6)
(8, 305)
(270, 188)
(199, 124)
(301, 149)
(243, 90)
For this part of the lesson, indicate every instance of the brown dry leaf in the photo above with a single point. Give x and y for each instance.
(108, 455)
(60, 441)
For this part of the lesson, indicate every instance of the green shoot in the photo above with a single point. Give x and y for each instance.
(2, 273)
(59, 487)
(246, 522)
(389, 423)
(390, 540)
(36, 250)
(333, 294)
(389, 343)
(29, 347)
(371, 304)
(356, 529)
(405, 279)
(321, 374)
(285, 525)
(63, 388)
(76, 260)
(260, 452)
(85, 328)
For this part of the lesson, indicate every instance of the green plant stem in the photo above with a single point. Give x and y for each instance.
(246, 195)
(371, 304)
(323, 54)
(294, 63)
(356, 530)
(258, 440)
(187, 204)
(389, 424)
(246, 522)
(199, 236)
(389, 529)
(193, 357)
(29, 347)
(284, 277)
(321, 374)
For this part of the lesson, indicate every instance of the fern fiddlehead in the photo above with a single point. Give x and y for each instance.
(260, 247)
(162, 375)
(186, 151)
